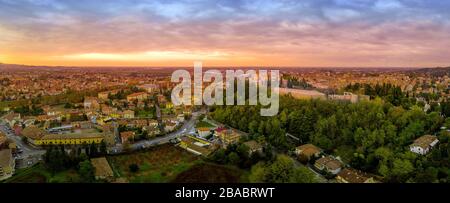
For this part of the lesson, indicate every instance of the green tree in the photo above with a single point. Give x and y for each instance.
(134, 168)
(303, 175)
(233, 158)
(258, 173)
(86, 171)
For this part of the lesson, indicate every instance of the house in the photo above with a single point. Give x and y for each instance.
(139, 96)
(29, 120)
(349, 175)
(138, 123)
(152, 130)
(91, 103)
(105, 95)
(253, 147)
(102, 168)
(196, 145)
(107, 110)
(127, 136)
(328, 164)
(204, 132)
(227, 136)
(12, 118)
(180, 117)
(152, 122)
(7, 164)
(128, 114)
(161, 99)
(82, 124)
(307, 151)
(169, 126)
(424, 144)
(150, 88)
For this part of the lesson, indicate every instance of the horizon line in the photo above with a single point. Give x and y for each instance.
(224, 66)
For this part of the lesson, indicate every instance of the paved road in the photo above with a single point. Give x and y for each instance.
(29, 155)
(186, 128)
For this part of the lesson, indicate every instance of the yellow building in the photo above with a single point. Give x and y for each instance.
(227, 136)
(69, 139)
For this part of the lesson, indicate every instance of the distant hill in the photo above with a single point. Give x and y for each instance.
(439, 71)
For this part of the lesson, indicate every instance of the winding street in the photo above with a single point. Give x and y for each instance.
(186, 128)
(29, 155)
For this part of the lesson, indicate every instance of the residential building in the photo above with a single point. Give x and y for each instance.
(91, 103)
(328, 164)
(227, 136)
(139, 96)
(204, 132)
(150, 88)
(128, 114)
(180, 117)
(12, 118)
(424, 144)
(196, 145)
(307, 151)
(127, 136)
(253, 147)
(349, 175)
(105, 95)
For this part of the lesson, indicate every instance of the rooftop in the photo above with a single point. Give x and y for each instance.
(353, 175)
(308, 149)
(424, 141)
(329, 162)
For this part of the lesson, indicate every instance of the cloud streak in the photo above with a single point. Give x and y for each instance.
(285, 33)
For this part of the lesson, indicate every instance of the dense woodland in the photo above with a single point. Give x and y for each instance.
(373, 136)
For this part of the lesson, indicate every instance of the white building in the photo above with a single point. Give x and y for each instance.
(302, 94)
(204, 132)
(150, 88)
(424, 144)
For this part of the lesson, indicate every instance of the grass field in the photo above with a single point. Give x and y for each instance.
(157, 165)
(39, 174)
(204, 124)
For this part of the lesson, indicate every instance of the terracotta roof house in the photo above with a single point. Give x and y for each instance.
(126, 136)
(140, 96)
(349, 175)
(204, 131)
(328, 164)
(308, 151)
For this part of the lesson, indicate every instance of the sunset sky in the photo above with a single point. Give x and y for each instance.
(345, 33)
